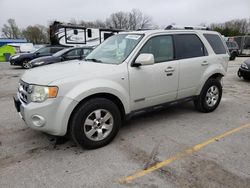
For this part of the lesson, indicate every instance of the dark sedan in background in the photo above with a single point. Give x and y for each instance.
(23, 59)
(244, 70)
(63, 55)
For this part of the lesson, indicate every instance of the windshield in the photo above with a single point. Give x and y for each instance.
(60, 53)
(115, 49)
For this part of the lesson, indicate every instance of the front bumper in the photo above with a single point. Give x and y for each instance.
(15, 62)
(50, 116)
(244, 73)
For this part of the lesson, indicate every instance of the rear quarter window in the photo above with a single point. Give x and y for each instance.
(216, 43)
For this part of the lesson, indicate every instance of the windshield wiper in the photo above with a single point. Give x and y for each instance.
(94, 60)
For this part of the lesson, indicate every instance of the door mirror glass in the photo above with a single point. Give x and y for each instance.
(144, 59)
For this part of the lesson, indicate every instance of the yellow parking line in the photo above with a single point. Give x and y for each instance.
(180, 155)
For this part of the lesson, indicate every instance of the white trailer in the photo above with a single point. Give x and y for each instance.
(76, 35)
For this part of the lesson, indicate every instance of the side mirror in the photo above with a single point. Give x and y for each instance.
(37, 53)
(144, 59)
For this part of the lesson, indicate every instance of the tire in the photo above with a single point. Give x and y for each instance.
(233, 56)
(26, 64)
(88, 127)
(210, 96)
(239, 74)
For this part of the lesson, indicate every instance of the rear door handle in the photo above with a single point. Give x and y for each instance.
(204, 63)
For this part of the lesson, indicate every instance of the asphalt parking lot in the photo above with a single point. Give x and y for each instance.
(175, 147)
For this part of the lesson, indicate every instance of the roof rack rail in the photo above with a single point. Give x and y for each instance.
(169, 27)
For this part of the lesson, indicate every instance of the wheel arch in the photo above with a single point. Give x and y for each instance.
(216, 75)
(108, 96)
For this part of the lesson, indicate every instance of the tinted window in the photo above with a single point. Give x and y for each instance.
(73, 53)
(188, 46)
(86, 51)
(216, 43)
(161, 47)
(229, 44)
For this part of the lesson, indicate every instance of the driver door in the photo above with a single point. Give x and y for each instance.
(157, 83)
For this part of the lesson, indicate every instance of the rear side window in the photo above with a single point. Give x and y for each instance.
(188, 46)
(216, 43)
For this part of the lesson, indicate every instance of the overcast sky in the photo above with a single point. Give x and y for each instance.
(163, 12)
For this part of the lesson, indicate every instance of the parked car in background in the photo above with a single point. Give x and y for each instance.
(244, 70)
(233, 49)
(63, 55)
(23, 59)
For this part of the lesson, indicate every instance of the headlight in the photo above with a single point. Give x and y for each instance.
(39, 63)
(41, 93)
(15, 56)
(244, 66)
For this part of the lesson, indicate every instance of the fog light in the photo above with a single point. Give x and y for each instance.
(38, 121)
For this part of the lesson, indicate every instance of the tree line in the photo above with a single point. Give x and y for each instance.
(133, 20)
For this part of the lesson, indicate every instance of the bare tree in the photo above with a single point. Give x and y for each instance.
(233, 27)
(118, 20)
(37, 34)
(133, 20)
(94, 24)
(11, 30)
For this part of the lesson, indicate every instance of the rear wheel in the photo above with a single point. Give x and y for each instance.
(95, 123)
(233, 56)
(210, 96)
(26, 64)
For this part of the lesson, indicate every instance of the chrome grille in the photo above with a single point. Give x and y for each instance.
(23, 91)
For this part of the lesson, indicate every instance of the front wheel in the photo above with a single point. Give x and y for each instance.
(26, 64)
(95, 123)
(210, 96)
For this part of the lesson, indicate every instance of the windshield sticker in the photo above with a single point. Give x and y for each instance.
(134, 37)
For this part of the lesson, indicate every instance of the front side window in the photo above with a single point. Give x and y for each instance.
(216, 43)
(115, 49)
(188, 46)
(161, 47)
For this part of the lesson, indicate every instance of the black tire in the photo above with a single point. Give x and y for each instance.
(84, 112)
(233, 56)
(201, 103)
(26, 64)
(239, 74)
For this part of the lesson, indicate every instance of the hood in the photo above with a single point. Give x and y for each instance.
(44, 75)
(46, 59)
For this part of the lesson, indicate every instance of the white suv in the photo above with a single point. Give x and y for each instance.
(127, 73)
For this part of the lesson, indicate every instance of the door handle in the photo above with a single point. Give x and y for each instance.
(204, 63)
(169, 69)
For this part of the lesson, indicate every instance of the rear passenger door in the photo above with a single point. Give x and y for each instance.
(192, 57)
